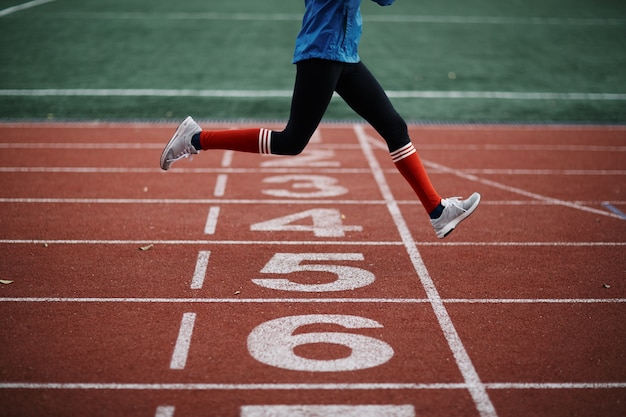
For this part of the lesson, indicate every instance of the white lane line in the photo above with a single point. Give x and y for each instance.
(200, 272)
(228, 155)
(556, 385)
(302, 410)
(88, 146)
(348, 171)
(220, 185)
(202, 201)
(205, 201)
(227, 159)
(123, 170)
(520, 147)
(474, 385)
(544, 172)
(310, 300)
(266, 94)
(461, 174)
(199, 242)
(165, 411)
(229, 387)
(211, 221)
(298, 243)
(307, 387)
(181, 349)
(293, 17)
(525, 193)
(23, 6)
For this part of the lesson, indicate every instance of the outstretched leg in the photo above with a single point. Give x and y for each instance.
(364, 94)
(358, 87)
(315, 84)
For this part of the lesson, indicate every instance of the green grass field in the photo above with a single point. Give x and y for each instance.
(528, 61)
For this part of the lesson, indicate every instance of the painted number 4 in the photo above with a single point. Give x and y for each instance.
(325, 223)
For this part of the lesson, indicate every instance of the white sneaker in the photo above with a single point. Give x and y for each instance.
(454, 212)
(180, 145)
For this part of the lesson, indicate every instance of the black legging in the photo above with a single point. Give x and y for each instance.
(316, 80)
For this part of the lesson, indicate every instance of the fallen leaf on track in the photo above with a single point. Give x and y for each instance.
(148, 247)
(5, 281)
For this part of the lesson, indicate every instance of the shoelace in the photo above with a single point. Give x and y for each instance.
(185, 153)
(455, 201)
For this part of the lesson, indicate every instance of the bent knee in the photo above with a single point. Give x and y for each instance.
(291, 145)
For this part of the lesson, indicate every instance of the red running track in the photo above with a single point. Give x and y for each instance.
(243, 285)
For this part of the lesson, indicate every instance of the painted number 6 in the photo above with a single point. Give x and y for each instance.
(273, 343)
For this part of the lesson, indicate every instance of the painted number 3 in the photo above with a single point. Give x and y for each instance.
(274, 343)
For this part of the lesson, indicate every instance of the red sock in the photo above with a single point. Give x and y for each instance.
(410, 166)
(242, 140)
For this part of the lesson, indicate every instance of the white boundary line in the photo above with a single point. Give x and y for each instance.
(24, 6)
(474, 385)
(336, 171)
(267, 94)
(519, 191)
(199, 273)
(97, 300)
(205, 201)
(181, 349)
(127, 170)
(200, 242)
(547, 200)
(428, 146)
(296, 242)
(307, 387)
(171, 124)
(293, 17)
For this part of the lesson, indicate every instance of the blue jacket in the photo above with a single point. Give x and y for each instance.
(331, 29)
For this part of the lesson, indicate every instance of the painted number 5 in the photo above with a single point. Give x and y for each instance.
(273, 343)
(348, 277)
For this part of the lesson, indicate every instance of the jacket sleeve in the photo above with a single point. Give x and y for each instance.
(384, 2)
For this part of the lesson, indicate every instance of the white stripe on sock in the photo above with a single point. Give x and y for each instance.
(403, 152)
(265, 136)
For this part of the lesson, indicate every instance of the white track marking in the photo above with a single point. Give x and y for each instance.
(227, 159)
(297, 243)
(220, 185)
(23, 6)
(327, 411)
(123, 170)
(310, 300)
(165, 411)
(200, 272)
(202, 201)
(462, 174)
(306, 387)
(211, 221)
(181, 350)
(516, 190)
(201, 242)
(292, 17)
(398, 94)
(545, 172)
(475, 386)
(205, 201)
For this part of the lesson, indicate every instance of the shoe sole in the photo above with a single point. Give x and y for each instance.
(453, 224)
(164, 165)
